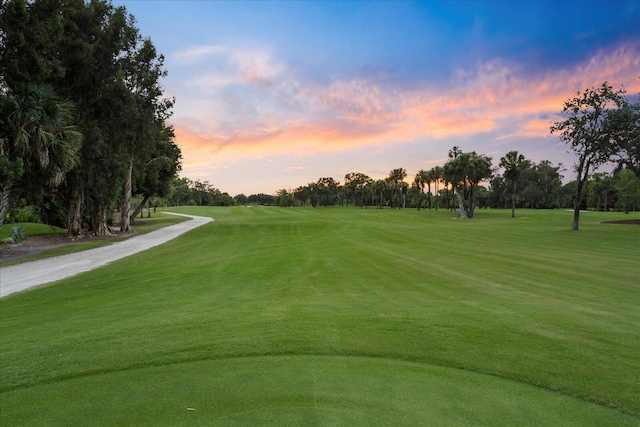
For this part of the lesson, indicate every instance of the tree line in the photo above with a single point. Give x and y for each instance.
(526, 185)
(599, 125)
(522, 184)
(82, 114)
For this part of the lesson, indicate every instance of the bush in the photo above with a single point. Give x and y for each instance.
(17, 233)
(25, 214)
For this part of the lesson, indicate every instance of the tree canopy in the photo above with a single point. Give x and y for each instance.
(92, 56)
(592, 131)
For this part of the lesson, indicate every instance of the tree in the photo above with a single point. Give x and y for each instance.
(285, 197)
(92, 54)
(154, 178)
(513, 164)
(355, 184)
(589, 130)
(40, 138)
(531, 195)
(549, 179)
(381, 189)
(147, 112)
(626, 126)
(436, 175)
(628, 189)
(465, 171)
(326, 191)
(418, 184)
(599, 186)
(396, 178)
(241, 199)
(29, 32)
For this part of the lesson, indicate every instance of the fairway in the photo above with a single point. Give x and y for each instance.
(274, 316)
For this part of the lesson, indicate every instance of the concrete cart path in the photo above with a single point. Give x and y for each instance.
(23, 276)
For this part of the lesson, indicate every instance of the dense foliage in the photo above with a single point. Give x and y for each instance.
(83, 114)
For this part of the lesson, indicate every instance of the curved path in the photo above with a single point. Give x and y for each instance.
(23, 276)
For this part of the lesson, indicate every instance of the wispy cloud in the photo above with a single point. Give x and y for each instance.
(257, 106)
(197, 54)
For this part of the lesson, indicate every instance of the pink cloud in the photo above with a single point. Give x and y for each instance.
(305, 119)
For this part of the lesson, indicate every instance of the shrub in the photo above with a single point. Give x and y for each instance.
(17, 233)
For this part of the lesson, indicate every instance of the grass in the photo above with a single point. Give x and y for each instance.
(342, 317)
(158, 221)
(31, 229)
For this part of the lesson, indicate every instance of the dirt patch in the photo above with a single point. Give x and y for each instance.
(33, 245)
(624, 222)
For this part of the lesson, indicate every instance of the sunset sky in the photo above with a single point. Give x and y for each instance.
(273, 95)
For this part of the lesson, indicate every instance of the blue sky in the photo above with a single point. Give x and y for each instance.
(274, 95)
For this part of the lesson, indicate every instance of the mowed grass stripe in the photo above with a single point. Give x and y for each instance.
(520, 299)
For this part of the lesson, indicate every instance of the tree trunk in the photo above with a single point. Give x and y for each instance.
(583, 173)
(576, 218)
(140, 207)
(471, 201)
(577, 201)
(463, 210)
(99, 224)
(513, 201)
(125, 205)
(4, 202)
(74, 217)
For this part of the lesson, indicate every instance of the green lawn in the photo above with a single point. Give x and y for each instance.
(339, 317)
(30, 229)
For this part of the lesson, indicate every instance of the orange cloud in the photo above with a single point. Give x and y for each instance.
(346, 115)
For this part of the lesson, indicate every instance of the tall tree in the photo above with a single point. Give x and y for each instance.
(465, 171)
(589, 131)
(380, 189)
(418, 183)
(436, 175)
(97, 44)
(514, 164)
(147, 113)
(396, 178)
(355, 184)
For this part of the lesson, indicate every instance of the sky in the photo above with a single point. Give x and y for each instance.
(276, 94)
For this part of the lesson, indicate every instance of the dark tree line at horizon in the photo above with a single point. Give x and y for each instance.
(537, 186)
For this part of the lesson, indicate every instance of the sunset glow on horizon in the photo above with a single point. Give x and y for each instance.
(274, 95)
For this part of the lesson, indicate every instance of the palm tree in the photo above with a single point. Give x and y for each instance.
(436, 175)
(40, 133)
(418, 182)
(396, 176)
(513, 164)
(427, 179)
(44, 134)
